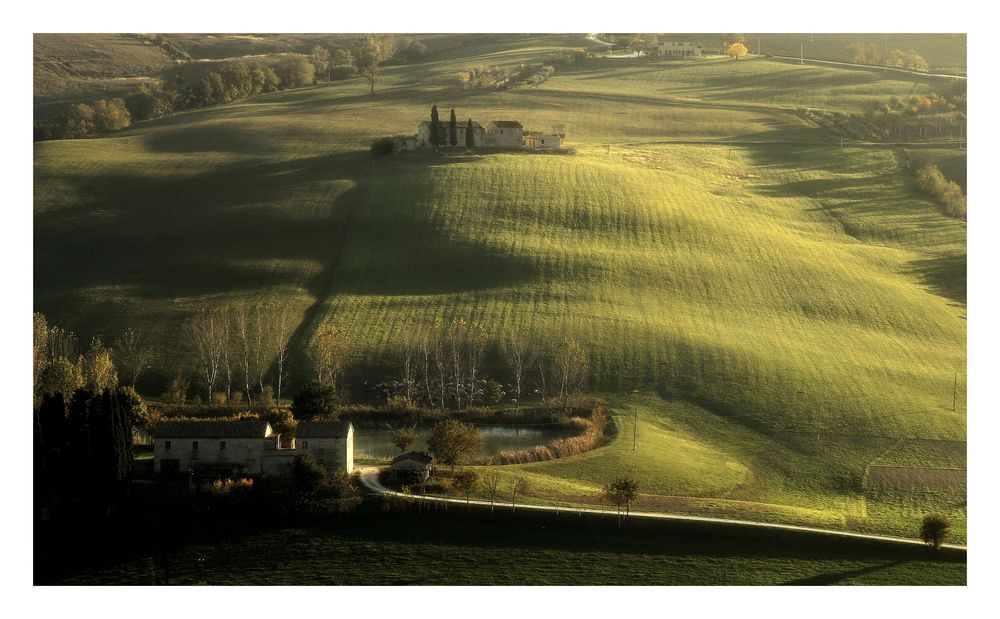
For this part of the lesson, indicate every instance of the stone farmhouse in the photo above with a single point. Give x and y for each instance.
(496, 134)
(678, 48)
(246, 448)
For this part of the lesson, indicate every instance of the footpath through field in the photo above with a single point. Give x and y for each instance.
(369, 479)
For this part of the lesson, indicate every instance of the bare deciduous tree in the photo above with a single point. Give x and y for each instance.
(520, 356)
(133, 354)
(571, 367)
(242, 327)
(475, 347)
(457, 337)
(328, 352)
(281, 332)
(490, 481)
(207, 340)
(517, 486)
(437, 345)
(409, 349)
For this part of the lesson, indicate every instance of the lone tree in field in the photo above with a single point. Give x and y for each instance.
(403, 438)
(736, 51)
(621, 493)
(464, 483)
(454, 442)
(371, 54)
(934, 530)
(435, 127)
(470, 137)
(453, 130)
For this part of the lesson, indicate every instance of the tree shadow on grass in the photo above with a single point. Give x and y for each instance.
(944, 275)
(833, 578)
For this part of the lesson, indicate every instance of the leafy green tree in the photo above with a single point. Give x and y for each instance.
(403, 438)
(98, 368)
(282, 420)
(435, 127)
(61, 376)
(308, 477)
(493, 392)
(295, 71)
(79, 121)
(934, 530)
(470, 136)
(453, 442)
(621, 493)
(320, 58)
(371, 54)
(453, 130)
(314, 401)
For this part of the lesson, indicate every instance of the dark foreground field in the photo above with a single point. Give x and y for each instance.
(456, 547)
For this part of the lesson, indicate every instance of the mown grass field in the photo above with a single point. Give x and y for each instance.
(456, 548)
(754, 293)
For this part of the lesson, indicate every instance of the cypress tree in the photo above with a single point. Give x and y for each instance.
(453, 130)
(435, 127)
(470, 137)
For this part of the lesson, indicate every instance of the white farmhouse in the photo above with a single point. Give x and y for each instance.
(239, 447)
(331, 442)
(678, 48)
(504, 134)
(534, 140)
(246, 448)
(424, 134)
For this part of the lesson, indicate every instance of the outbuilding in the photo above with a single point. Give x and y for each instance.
(412, 467)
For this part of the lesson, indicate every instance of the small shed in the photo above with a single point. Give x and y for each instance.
(535, 140)
(414, 466)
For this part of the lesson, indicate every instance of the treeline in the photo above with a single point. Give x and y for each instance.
(948, 194)
(871, 53)
(229, 82)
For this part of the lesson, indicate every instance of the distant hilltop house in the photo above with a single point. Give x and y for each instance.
(248, 448)
(496, 134)
(678, 48)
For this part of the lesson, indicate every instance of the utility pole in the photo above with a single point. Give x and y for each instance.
(758, 46)
(954, 393)
(730, 154)
(800, 53)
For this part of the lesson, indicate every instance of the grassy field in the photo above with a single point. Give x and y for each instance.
(455, 548)
(757, 294)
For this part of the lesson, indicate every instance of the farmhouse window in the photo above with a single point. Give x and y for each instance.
(194, 445)
(222, 445)
(166, 445)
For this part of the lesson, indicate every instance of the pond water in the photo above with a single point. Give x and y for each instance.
(377, 443)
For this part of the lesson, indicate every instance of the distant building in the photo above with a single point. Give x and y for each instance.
(236, 447)
(331, 442)
(678, 48)
(534, 140)
(412, 467)
(504, 134)
(423, 139)
(247, 448)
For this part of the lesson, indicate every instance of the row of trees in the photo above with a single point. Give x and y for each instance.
(870, 53)
(233, 81)
(442, 365)
(948, 194)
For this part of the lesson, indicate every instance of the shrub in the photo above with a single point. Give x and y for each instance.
(382, 147)
(934, 530)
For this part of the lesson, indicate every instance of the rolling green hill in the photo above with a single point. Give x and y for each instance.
(777, 285)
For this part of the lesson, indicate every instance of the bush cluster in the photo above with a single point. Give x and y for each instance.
(947, 193)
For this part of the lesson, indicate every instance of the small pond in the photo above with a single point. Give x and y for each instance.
(372, 442)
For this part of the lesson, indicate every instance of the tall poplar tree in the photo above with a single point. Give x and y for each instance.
(435, 127)
(453, 130)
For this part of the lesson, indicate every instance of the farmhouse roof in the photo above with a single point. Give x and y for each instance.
(414, 455)
(323, 429)
(212, 429)
(513, 124)
(460, 123)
